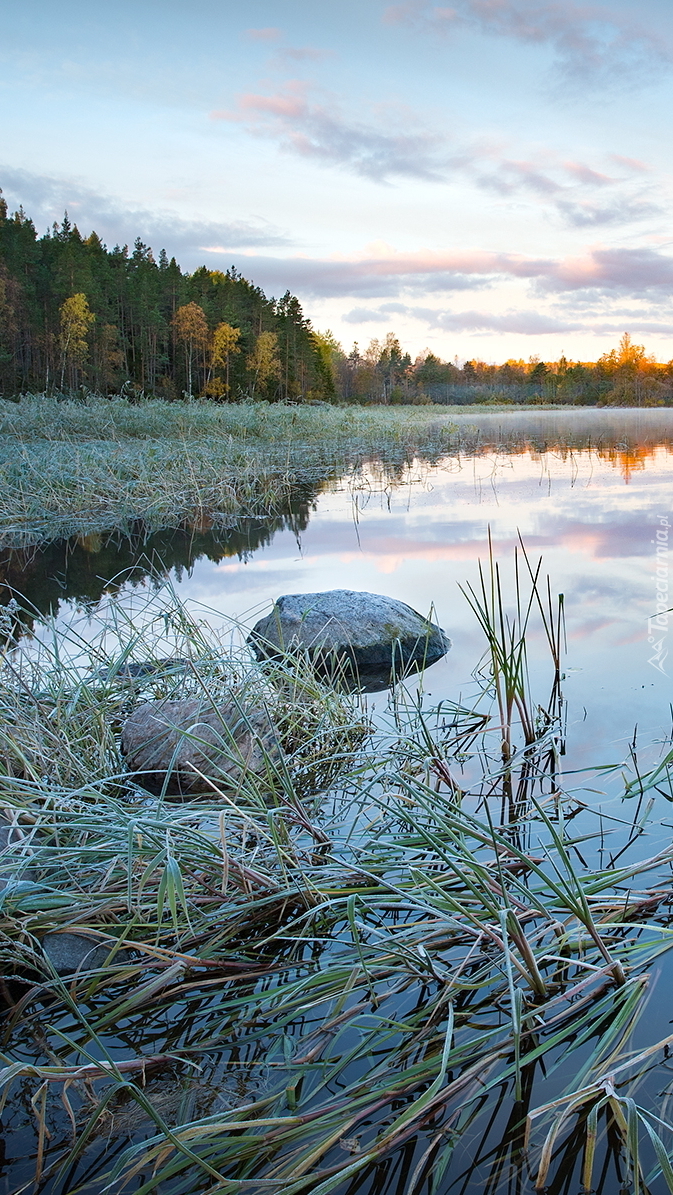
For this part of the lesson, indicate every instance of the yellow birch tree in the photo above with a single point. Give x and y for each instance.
(191, 330)
(225, 345)
(76, 319)
(264, 361)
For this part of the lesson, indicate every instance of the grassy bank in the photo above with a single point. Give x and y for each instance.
(71, 468)
(407, 951)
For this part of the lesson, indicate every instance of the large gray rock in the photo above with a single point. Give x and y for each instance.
(364, 639)
(68, 952)
(161, 739)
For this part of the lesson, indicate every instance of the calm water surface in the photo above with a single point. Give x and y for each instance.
(591, 511)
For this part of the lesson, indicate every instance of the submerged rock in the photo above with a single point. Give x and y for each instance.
(68, 952)
(365, 640)
(162, 739)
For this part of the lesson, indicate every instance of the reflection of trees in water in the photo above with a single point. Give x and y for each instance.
(85, 568)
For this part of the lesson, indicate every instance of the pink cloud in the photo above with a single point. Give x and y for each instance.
(318, 130)
(591, 41)
(631, 270)
(510, 176)
(634, 272)
(269, 34)
(389, 146)
(630, 163)
(291, 103)
(585, 174)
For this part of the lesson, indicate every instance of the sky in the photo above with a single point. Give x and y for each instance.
(485, 178)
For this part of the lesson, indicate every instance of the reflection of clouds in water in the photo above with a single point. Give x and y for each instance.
(448, 499)
(421, 541)
(418, 542)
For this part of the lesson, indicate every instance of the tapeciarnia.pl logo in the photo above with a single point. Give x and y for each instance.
(657, 625)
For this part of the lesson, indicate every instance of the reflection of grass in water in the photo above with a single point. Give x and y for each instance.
(80, 468)
(375, 972)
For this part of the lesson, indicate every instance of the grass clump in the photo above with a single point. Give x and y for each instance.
(80, 468)
(409, 941)
(69, 468)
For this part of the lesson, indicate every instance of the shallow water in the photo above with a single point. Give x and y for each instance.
(590, 504)
(592, 513)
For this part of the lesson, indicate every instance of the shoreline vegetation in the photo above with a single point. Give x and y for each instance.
(82, 467)
(399, 938)
(408, 946)
(77, 318)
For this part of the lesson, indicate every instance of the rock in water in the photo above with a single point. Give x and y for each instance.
(68, 952)
(364, 639)
(161, 739)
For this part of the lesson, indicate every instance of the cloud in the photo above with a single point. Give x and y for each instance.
(524, 322)
(591, 215)
(319, 131)
(379, 272)
(383, 273)
(633, 164)
(591, 42)
(268, 34)
(591, 200)
(568, 294)
(584, 174)
(301, 54)
(511, 176)
(45, 198)
(630, 271)
(370, 315)
(527, 323)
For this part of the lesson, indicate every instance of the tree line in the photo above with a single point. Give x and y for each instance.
(624, 376)
(76, 316)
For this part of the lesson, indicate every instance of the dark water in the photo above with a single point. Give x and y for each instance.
(590, 505)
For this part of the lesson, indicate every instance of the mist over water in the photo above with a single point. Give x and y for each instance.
(586, 490)
(590, 493)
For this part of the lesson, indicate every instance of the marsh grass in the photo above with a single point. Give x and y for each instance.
(361, 958)
(81, 468)
(68, 468)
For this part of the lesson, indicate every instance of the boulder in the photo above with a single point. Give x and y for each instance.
(68, 952)
(365, 640)
(161, 739)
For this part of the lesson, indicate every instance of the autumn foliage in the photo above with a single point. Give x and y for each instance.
(78, 317)
(75, 314)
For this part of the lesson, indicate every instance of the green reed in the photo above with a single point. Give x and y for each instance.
(350, 956)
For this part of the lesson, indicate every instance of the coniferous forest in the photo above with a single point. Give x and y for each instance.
(77, 317)
(75, 314)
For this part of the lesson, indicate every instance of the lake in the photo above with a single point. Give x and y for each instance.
(589, 492)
